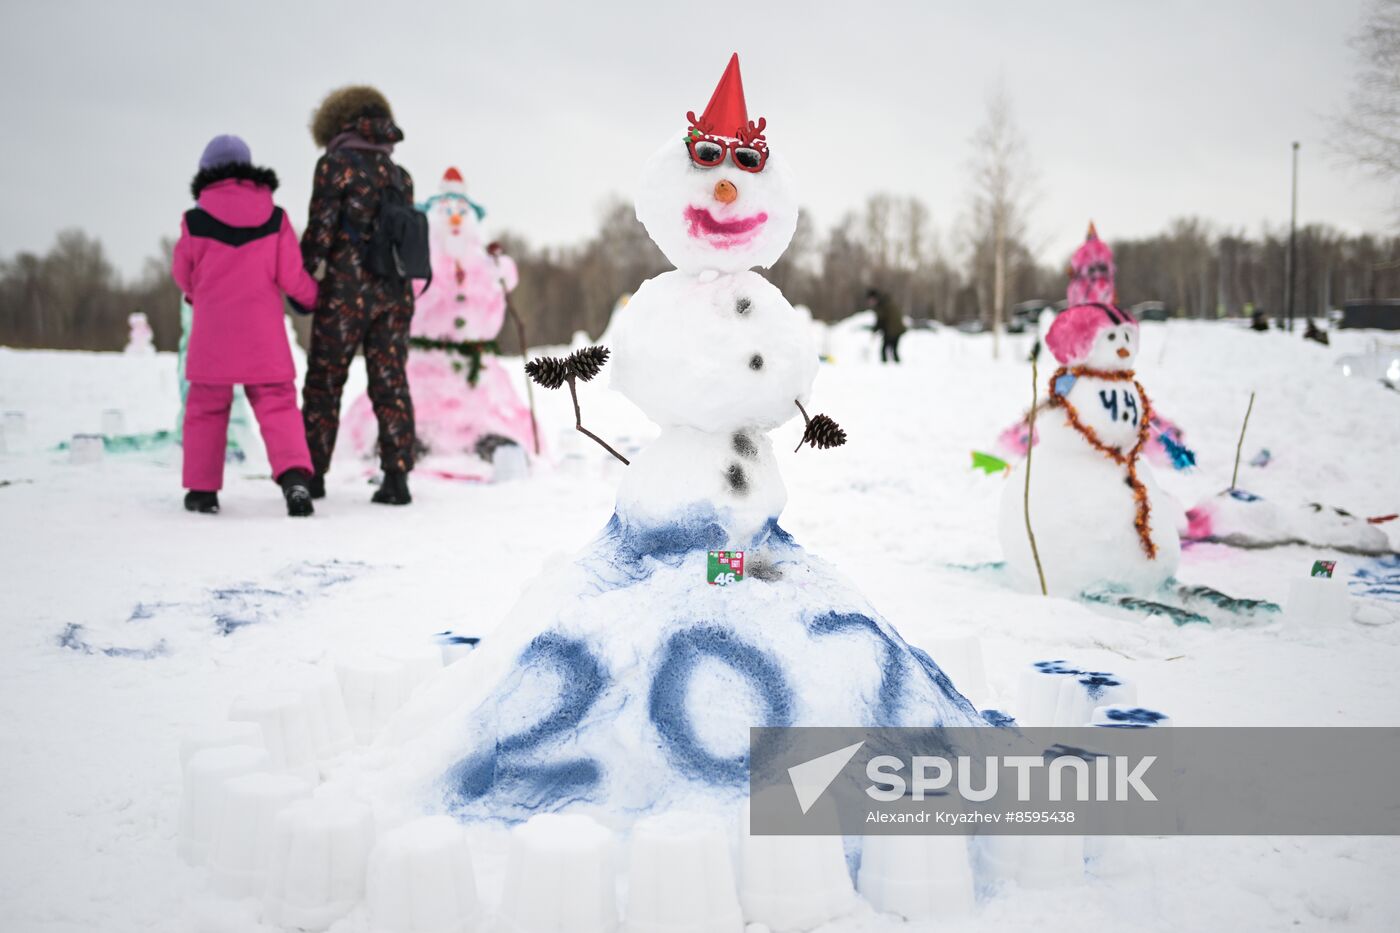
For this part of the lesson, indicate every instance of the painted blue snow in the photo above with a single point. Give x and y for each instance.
(450, 637)
(150, 627)
(1137, 718)
(892, 673)
(1065, 383)
(1182, 457)
(1056, 667)
(511, 766)
(581, 680)
(73, 639)
(673, 719)
(612, 699)
(1095, 684)
(1377, 578)
(697, 529)
(1242, 495)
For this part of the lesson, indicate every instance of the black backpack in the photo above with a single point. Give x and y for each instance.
(398, 247)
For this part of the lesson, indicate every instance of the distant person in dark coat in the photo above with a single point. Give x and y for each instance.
(1258, 320)
(889, 323)
(1313, 332)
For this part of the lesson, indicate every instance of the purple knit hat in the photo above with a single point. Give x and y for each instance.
(223, 150)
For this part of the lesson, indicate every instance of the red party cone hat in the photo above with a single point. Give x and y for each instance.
(726, 112)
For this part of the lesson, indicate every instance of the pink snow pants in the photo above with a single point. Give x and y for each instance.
(206, 430)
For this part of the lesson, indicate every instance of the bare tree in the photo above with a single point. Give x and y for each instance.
(1368, 134)
(1002, 179)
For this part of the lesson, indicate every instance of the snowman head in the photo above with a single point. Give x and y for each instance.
(454, 220)
(716, 197)
(1097, 336)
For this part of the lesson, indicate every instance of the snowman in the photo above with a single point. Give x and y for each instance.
(463, 398)
(627, 677)
(711, 351)
(1091, 275)
(1098, 517)
(140, 339)
(1091, 272)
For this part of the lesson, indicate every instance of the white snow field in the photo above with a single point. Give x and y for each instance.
(128, 625)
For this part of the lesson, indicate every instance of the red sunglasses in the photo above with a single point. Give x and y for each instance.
(749, 151)
(709, 152)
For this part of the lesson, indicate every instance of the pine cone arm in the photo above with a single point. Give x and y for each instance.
(588, 362)
(579, 366)
(821, 432)
(548, 371)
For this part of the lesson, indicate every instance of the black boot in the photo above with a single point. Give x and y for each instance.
(393, 490)
(206, 502)
(317, 485)
(296, 490)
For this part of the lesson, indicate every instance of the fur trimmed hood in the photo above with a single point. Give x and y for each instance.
(344, 107)
(241, 171)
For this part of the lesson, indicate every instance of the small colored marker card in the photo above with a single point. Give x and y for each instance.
(724, 567)
(1323, 568)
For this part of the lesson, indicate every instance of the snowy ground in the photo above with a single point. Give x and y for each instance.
(126, 622)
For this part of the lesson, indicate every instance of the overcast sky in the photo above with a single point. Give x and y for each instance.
(1137, 111)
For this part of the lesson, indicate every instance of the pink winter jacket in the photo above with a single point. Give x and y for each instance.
(237, 254)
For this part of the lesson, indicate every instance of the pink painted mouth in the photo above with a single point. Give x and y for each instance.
(724, 234)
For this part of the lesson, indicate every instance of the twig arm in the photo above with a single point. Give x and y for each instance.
(1239, 446)
(1026, 495)
(578, 424)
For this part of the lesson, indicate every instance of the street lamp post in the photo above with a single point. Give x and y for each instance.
(1290, 286)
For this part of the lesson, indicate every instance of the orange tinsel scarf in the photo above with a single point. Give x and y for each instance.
(1143, 520)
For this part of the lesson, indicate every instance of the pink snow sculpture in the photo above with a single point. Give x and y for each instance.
(464, 400)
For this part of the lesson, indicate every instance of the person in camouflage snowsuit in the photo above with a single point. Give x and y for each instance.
(356, 308)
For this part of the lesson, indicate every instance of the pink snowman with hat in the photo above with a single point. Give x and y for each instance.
(464, 400)
(1092, 272)
(1098, 516)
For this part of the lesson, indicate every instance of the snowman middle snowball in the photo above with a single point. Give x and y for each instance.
(711, 351)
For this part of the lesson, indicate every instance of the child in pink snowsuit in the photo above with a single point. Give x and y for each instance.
(236, 257)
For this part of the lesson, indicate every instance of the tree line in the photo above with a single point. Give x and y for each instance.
(72, 297)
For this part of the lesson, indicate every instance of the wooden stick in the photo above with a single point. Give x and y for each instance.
(529, 388)
(805, 420)
(578, 423)
(1240, 445)
(1030, 446)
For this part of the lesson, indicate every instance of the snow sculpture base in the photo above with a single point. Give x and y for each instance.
(623, 684)
(242, 844)
(421, 879)
(1318, 601)
(319, 852)
(206, 772)
(561, 876)
(920, 878)
(792, 882)
(680, 878)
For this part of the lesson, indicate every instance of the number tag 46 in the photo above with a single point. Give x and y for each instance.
(724, 567)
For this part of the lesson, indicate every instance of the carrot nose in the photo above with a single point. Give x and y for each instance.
(1123, 352)
(725, 192)
(455, 220)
